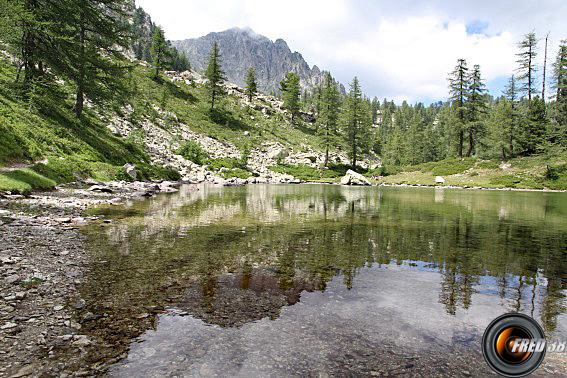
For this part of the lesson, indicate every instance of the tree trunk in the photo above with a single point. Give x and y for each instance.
(213, 101)
(326, 154)
(461, 141)
(81, 79)
(471, 142)
(544, 67)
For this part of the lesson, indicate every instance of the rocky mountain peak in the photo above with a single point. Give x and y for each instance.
(242, 48)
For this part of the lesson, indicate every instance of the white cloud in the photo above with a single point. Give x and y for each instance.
(401, 51)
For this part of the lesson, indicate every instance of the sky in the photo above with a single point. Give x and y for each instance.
(400, 50)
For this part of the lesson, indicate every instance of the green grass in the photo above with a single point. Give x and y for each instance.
(24, 180)
(308, 173)
(535, 172)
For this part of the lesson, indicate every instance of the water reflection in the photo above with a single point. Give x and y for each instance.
(231, 256)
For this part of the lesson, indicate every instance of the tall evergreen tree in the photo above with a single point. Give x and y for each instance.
(476, 107)
(160, 52)
(527, 64)
(356, 121)
(329, 113)
(533, 134)
(215, 75)
(290, 92)
(251, 86)
(179, 60)
(510, 117)
(458, 92)
(90, 50)
(560, 87)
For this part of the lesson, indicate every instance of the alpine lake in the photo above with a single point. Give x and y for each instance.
(320, 280)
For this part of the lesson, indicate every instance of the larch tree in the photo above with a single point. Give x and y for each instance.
(356, 122)
(160, 52)
(458, 94)
(476, 107)
(328, 114)
(251, 86)
(560, 87)
(215, 75)
(527, 64)
(291, 92)
(97, 63)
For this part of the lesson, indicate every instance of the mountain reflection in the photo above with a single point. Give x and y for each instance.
(230, 256)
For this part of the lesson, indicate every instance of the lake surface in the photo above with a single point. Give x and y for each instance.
(320, 280)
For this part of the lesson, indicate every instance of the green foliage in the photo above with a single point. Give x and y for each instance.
(302, 172)
(23, 180)
(356, 120)
(215, 75)
(236, 172)
(487, 164)
(160, 52)
(193, 151)
(328, 114)
(507, 181)
(251, 86)
(290, 93)
(527, 64)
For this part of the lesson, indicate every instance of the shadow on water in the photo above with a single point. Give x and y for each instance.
(232, 256)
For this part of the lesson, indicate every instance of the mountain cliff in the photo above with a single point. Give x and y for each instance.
(242, 48)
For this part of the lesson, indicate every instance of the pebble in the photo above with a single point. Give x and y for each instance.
(21, 295)
(8, 325)
(58, 308)
(12, 279)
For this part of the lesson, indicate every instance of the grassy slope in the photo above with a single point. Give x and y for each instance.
(523, 173)
(228, 122)
(86, 148)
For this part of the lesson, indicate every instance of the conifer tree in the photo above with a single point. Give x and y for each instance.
(90, 50)
(290, 93)
(159, 51)
(510, 117)
(251, 86)
(328, 114)
(458, 92)
(215, 75)
(560, 87)
(527, 65)
(476, 107)
(356, 122)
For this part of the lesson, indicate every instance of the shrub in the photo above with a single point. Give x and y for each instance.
(506, 181)
(302, 172)
(193, 151)
(488, 164)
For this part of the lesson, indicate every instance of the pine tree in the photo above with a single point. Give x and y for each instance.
(290, 92)
(179, 60)
(510, 126)
(476, 107)
(527, 65)
(328, 114)
(533, 135)
(458, 91)
(251, 86)
(160, 53)
(356, 122)
(560, 87)
(501, 127)
(215, 75)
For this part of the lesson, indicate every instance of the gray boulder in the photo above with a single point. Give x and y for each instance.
(130, 170)
(353, 178)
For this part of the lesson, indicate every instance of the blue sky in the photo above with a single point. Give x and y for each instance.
(400, 50)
